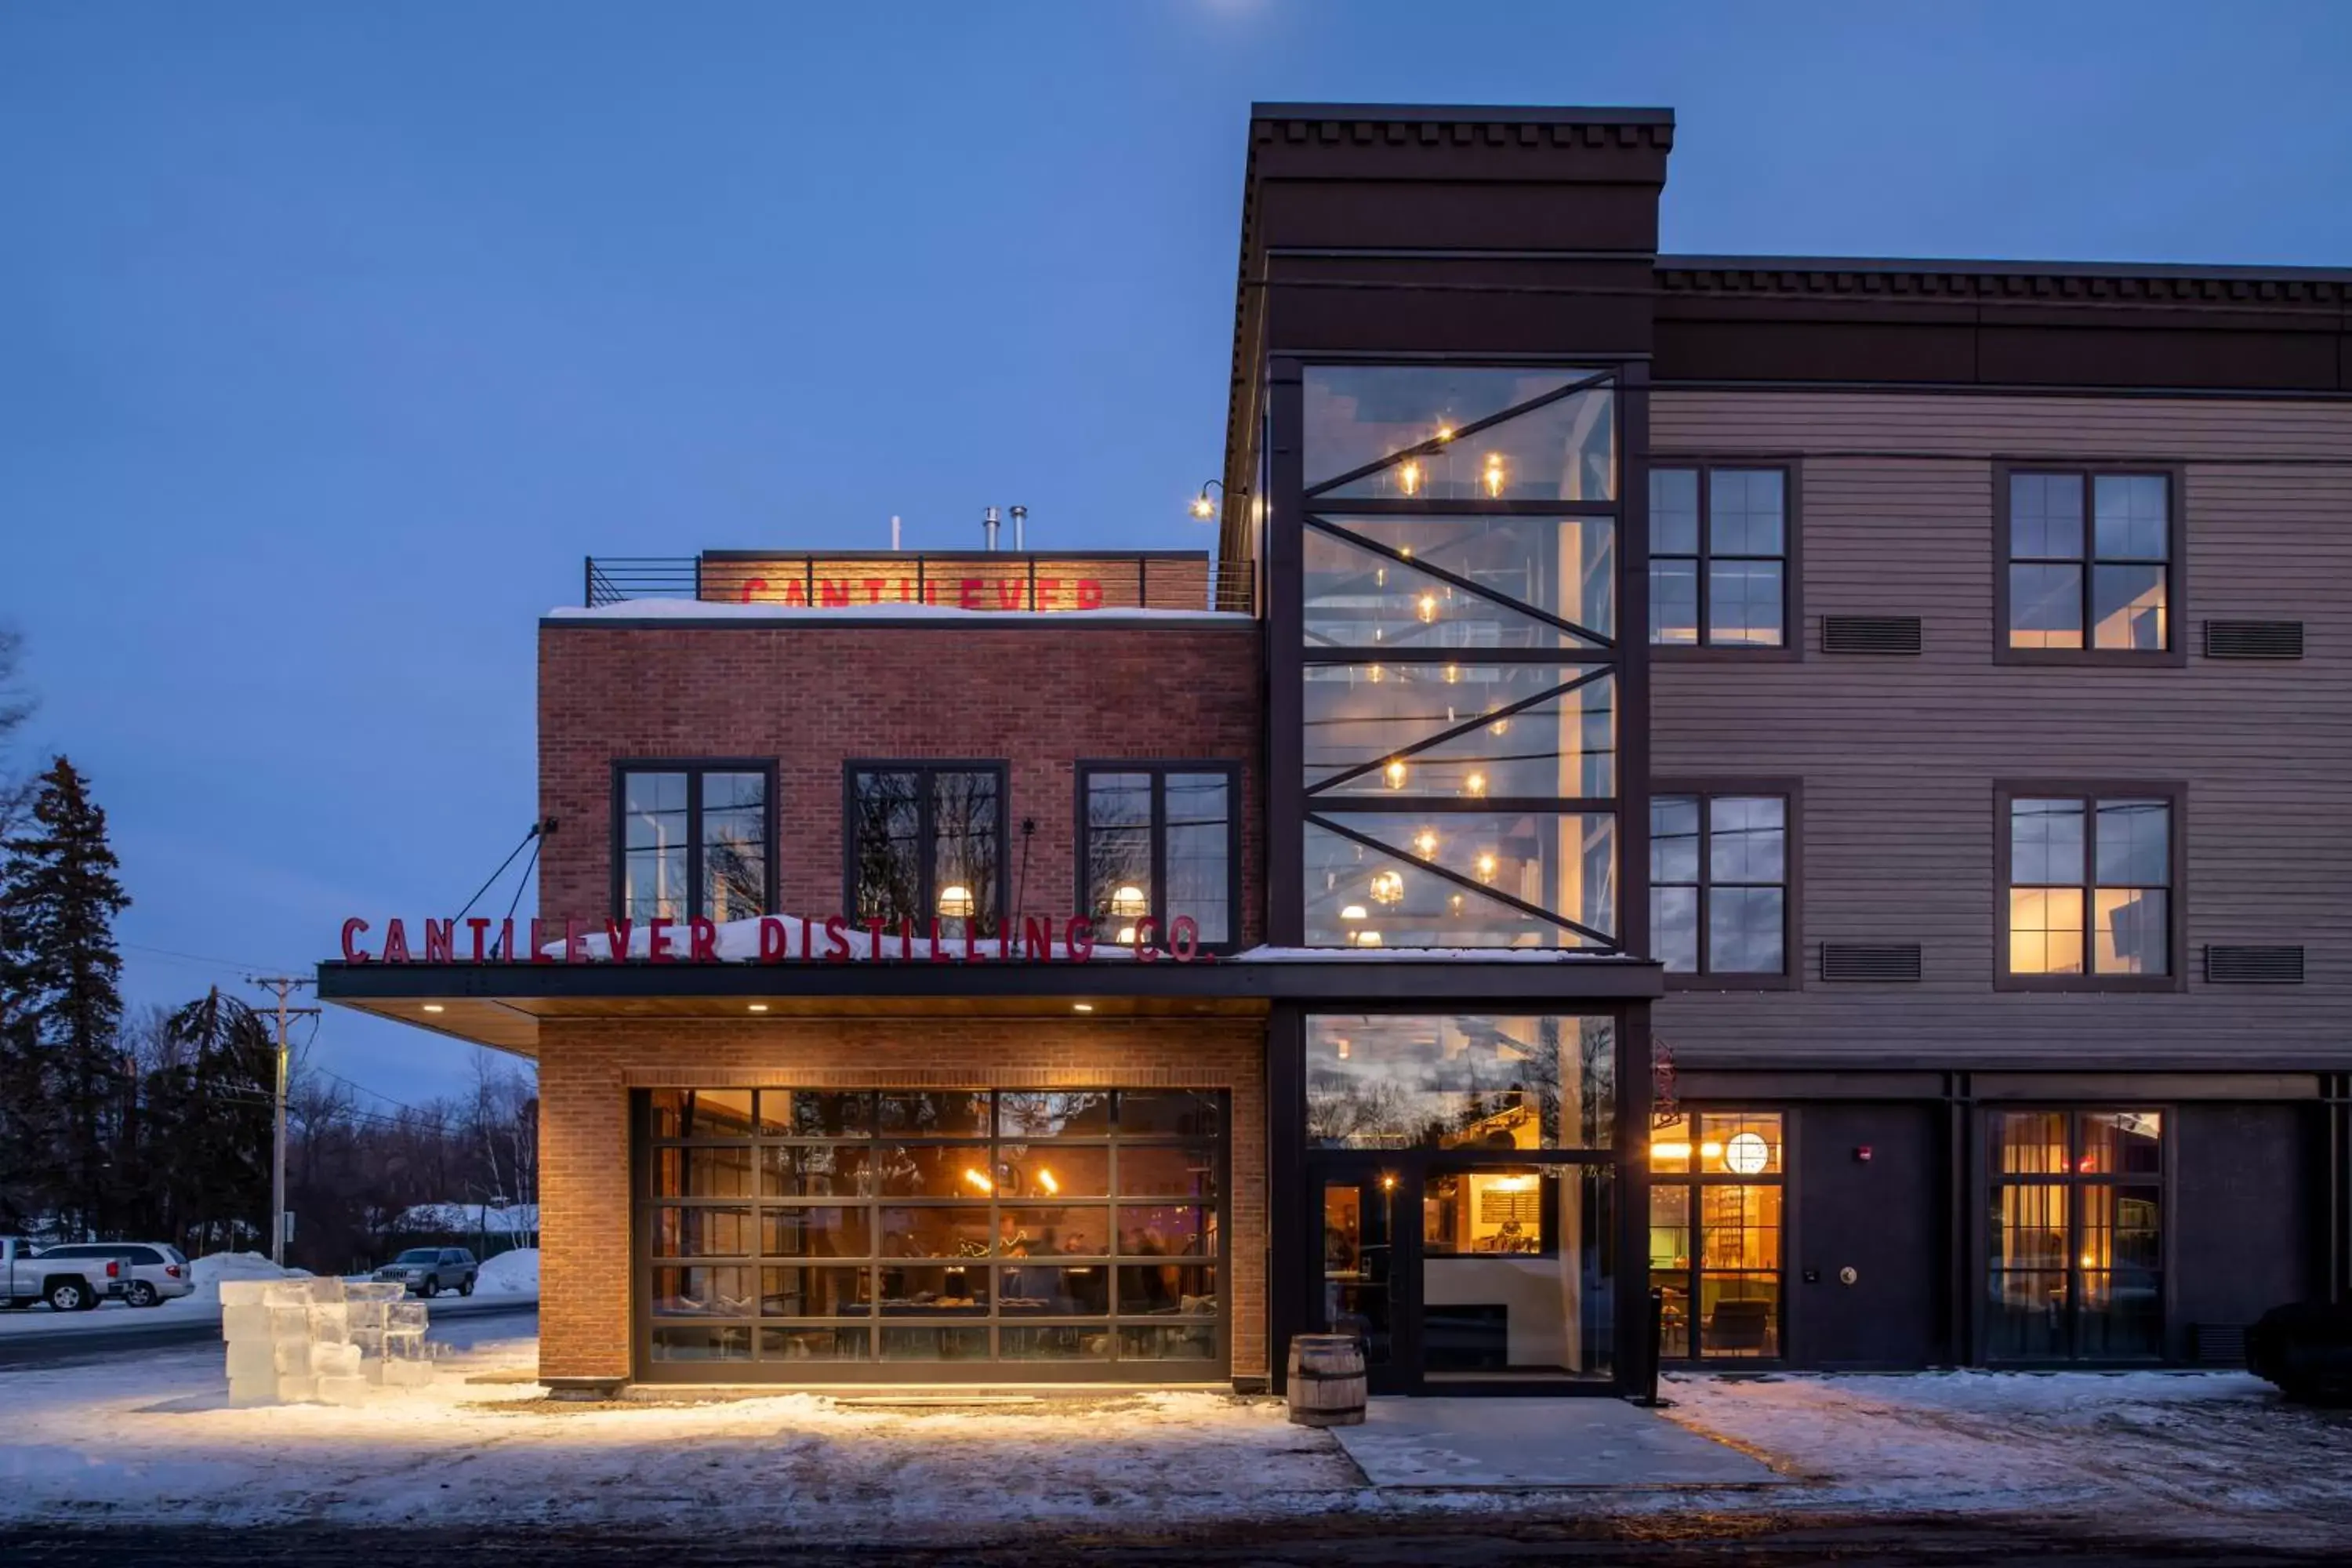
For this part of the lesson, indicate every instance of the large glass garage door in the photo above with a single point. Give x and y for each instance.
(823, 1234)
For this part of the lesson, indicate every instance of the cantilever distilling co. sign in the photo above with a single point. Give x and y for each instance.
(836, 940)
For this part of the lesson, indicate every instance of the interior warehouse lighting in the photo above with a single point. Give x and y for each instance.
(1128, 902)
(979, 1180)
(1387, 888)
(956, 902)
(1394, 774)
(1493, 476)
(1408, 477)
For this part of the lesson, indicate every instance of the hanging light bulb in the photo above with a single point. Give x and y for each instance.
(1380, 576)
(1475, 784)
(1342, 1043)
(1494, 474)
(1387, 888)
(1355, 912)
(1424, 844)
(1128, 902)
(1394, 775)
(1444, 432)
(1452, 674)
(1408, 477)
(1499, 726)
(1486, 863)
(1454, 903)
(1426, 607)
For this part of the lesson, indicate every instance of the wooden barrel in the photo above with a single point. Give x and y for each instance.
(1326, 1380)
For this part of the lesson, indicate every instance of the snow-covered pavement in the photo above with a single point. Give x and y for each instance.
(152, 1441)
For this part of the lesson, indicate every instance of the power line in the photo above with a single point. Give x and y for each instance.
(236, 964)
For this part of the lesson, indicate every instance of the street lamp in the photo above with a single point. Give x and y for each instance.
(1202, 507)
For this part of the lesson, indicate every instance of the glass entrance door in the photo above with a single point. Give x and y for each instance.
(1358, 1294)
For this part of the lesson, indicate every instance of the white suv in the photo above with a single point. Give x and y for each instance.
(152, 1272)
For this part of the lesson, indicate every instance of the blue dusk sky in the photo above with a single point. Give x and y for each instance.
(333, 336)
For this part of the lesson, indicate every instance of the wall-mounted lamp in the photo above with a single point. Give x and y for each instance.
(1203, 508)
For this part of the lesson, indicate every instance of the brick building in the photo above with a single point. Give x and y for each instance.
(1804, 790)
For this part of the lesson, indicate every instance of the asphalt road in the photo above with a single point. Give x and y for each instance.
(65, 1346)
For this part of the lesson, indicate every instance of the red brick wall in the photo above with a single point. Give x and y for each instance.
(810, 697)
(586, 1069)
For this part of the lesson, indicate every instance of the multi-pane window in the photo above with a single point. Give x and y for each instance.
(2090, 561)
(1719, 883)
(693, 841)
(1718, 557)
(2075, 1232)
(1715, 1235)
(2090, 886)
(925, 842)
(805, 1228)
(1159, 844)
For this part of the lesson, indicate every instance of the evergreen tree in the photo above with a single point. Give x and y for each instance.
(203, 1149)
(60, 977)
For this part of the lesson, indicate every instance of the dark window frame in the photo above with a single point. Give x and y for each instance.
(1692, 1180)
(693, 768)
(2176, 562)
(1159, 769)
(926, 829)
(1790, 467)
(1792, 941)
(2073, 1180)
(2090, 792)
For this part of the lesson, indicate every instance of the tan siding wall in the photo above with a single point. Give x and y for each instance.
(586, 1070)
(1899, 755)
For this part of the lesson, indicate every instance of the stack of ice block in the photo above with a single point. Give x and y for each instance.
(328, 1339)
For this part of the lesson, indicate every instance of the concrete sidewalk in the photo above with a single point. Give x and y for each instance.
(1525, 1444)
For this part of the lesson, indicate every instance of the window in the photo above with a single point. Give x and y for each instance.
(2090, 880)
(1720, 869)
(1460, 1083)
(692, 840)
(2089, 564)
(926, 841)
(1715, 1235)
(1159, 843)
(2075, 1269)
(1720, 550)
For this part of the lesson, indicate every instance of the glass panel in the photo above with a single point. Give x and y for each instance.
(1674, 511)
(713, 1113)
(2134, 843)
(1355, 414)
(1673, 929)
(2045, 516)
(825, 1232)
(1034, 1114)
(1747, 839)
(886, 832)
(934, 1171)
(1674, 602)
(1745, 512)
(702, 1342)
(1053, 1231)
(2045, 607)
(1739, 1264)
(668, 1105)
(2045, 931)
(1168, 1342)
(937, 1113)
(813, 1345)
(1739, 1316)
(1745, 1144)
(1669, 1261)
(1564, 747)
(1357, 1257)
(1041, 1342)
(1079, 1292)
(734, 846)
(1670, 1145)
(2123, 1142)
(1744, 605)
(1362, 896)
(2131, 515)
(814, 1292)
(1386, 1081)
(2123, 1306)
(816, 1170)
(962, 1232)
(1172, 1171)
(965, 852)
(2045, 842)
(703, 1232)
(1163, 1113)
(2028, 1142)
(1674, 838)
(718, 1173)
(1357, 598)
(1167, 1289)
(1045, 1173)
(654, 846)
(1118, 846)
(1198, 853)
(2127, 607)
(1563, 566)
(702, 1292)
(2030, 1226)
(2028, 1284)
(935, 1344)
(1516, 1278)
(2135, 931)
(950, 1289)
(1746, 930)
(810, 1113)
(1167, 1230)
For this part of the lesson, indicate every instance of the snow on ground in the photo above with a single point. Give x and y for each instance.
(512, 1273)
(214, 1266)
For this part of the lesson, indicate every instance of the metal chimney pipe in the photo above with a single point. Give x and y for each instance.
(894, 532)
(988, 528)
(1020, 517)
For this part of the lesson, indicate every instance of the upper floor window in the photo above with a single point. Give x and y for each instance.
(2090, 880)
(2090, 560)
(1159, 844)
(693, 840)
(1719, 557)
(1719, 883)
(926, 841)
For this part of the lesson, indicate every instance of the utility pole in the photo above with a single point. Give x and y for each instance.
(284, 984)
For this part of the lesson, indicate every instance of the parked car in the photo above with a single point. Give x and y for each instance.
(429, 1270)
(152, 1272)
(67, 1284)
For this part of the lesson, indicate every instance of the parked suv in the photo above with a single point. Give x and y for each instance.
(429, 1270)
(67, 1284)
(152, 1272)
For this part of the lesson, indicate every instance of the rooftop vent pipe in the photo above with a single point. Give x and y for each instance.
(988, 529)
(1019, 517)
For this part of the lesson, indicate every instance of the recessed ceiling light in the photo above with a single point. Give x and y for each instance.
(759, 1007)
(1081, 1006)
(433, 1006)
